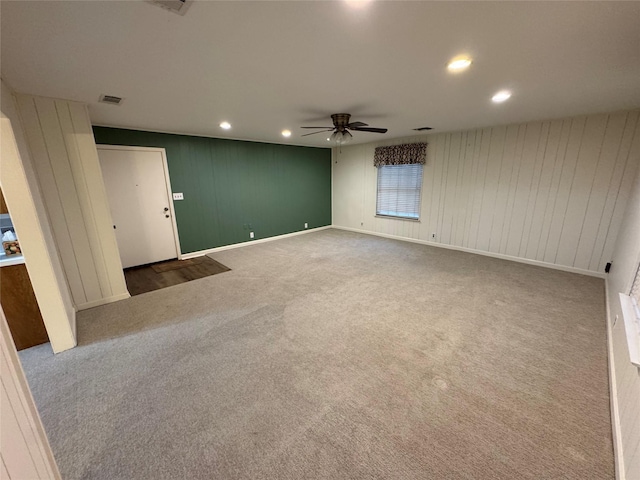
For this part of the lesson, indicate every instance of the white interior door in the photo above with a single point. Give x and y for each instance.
(138, 189)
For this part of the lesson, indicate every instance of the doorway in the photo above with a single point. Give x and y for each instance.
(139, 193)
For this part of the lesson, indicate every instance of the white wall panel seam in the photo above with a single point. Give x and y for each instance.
(566, 206)
(593, 181)
(606, 200)
(537, 172)
(515, 180)
(25, 408)
(496, 198)
(16, 415)
(84, 200)
(98, 241)
(75, 265)
(626, 165)
(68, 192)
(573, 176)
(563, 157)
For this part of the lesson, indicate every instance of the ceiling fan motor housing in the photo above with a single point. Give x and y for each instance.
(340, 120)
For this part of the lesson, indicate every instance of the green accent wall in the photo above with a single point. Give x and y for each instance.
(231, 184)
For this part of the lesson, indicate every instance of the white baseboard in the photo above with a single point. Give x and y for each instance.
(200, 253)
(613, 394)
(103, 301)
(478, 252)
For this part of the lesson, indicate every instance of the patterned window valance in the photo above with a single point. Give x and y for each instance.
(407, 154)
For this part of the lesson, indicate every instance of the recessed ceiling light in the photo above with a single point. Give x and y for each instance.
(501, 96)
(286, 133)
(328, 139)
(458, 64)
(225, 125)
(357, 4)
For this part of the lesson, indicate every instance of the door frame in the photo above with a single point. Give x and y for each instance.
(165, 166)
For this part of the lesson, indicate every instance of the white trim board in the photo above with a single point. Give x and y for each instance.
(200, 253)
(536, 263)
(613, 394)
(103, 301)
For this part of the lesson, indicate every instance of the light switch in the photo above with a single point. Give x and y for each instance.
(178, 196)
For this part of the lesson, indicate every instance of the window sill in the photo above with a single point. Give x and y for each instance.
(398, 218)
(632, 328)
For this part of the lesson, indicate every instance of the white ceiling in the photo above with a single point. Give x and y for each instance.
(266, 66)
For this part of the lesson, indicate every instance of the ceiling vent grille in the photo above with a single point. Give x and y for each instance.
(110, 99)
(176, 6)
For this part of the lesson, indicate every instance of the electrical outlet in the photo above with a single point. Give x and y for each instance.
(178, 196)
(250, 234)
(306, 225)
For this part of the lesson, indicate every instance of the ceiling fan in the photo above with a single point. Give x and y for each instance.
(341, 127)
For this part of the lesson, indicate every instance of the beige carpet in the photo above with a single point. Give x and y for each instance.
(336, 355)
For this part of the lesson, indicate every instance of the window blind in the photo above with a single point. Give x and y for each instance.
(399, 191)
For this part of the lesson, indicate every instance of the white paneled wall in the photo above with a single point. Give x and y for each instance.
(66, 161)
(28, 212)
(24, 450)
(548, 192)
(625, 377)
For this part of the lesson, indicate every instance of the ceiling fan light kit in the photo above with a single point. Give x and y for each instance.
(340, 138)
(341, 127)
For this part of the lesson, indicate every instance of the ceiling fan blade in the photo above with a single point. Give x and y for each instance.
(318, 127)
(370, 129)
(313, 133)
(356, 125)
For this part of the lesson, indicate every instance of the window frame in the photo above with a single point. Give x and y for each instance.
(418, 203)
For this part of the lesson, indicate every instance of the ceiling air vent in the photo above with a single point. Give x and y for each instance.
(422, 129)
(176, 6)
(110, 99)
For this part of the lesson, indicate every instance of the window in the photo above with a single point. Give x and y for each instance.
(399, 191)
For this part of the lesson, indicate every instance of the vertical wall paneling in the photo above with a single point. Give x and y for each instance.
(49, 186)
(78, 175)
(628, 166)
(552, 192)
(29, 215)
(24, 450)
(66, 162)
(68, 193)
(99, 216)
(563, 195)
(502, 190)
(552, 196)
(605, 166)
(588, 152)
(491, 183)
(545, 179)
(534, 189)
(515, 159)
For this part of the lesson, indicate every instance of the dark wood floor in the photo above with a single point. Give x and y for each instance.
(147, 278)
